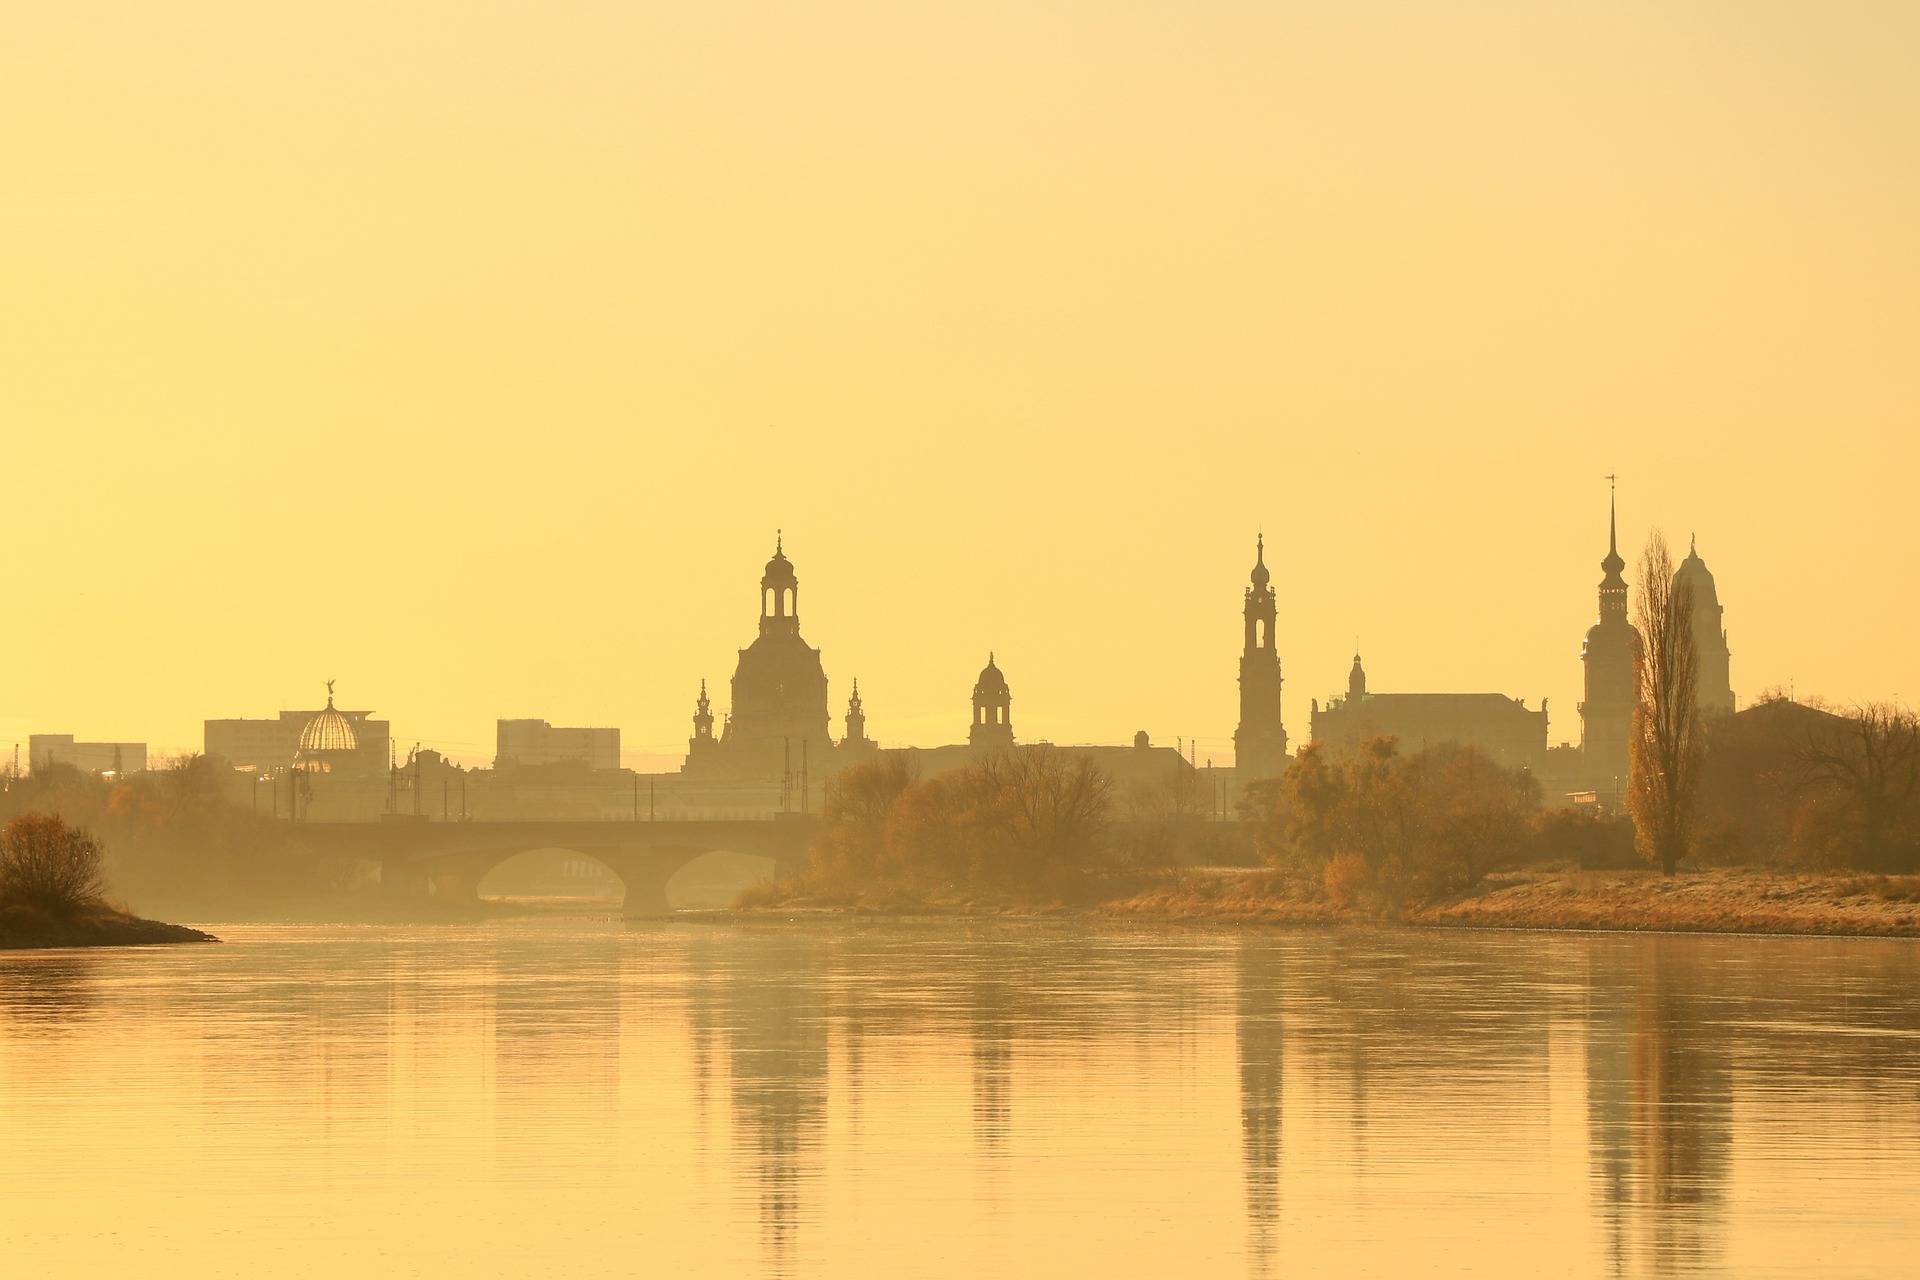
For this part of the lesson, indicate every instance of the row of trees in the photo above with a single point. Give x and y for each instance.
(1027, 820)
(172, 841)
(1377, 826)
(1836, 790)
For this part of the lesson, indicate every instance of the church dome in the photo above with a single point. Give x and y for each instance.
(1260, 575)
(990, 681)
(1696, 576)
(328, 731)
(1693, 572)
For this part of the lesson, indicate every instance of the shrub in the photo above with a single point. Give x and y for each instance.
(1346, 876)
(48, 865)
(1599, 840)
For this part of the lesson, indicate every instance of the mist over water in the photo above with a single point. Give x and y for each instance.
(589, 1097)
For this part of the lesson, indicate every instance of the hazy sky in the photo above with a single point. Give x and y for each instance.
(472, 352)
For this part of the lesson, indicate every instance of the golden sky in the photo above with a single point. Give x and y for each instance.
(471, 352)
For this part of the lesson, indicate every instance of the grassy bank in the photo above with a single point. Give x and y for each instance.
(1711, 901)
(23, 927)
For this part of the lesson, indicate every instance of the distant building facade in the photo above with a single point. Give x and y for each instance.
(1260, 741)
(1713, 678)
(531, 743)
(262, 746)
(1606, 713)
(45, 750)
(1503, 727)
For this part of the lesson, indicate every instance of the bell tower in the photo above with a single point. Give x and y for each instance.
(1260, 743)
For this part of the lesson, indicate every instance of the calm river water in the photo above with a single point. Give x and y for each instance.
(582, 1097)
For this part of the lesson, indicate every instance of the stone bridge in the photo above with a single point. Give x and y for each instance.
(449, 859)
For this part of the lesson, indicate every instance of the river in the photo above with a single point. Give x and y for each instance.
(585, 1097)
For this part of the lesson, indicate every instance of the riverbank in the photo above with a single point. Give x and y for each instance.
(23, 928)
(1717, 900)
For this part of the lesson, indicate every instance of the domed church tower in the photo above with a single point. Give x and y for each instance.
(1606, 713)
(1714, 681)
(992, 709)
(779, 687)
(1260, 743)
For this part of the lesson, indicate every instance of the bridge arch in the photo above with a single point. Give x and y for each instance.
(719, 866)
(553, 872)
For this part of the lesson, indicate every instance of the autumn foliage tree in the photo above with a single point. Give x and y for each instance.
(853, 820)
(1371, 821)
(1663, 771)
(1029, 819)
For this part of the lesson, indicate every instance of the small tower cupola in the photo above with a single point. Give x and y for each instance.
(779, 593)
(1356, 681)
(992, 709)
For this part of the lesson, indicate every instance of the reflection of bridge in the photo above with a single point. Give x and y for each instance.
(449, 859)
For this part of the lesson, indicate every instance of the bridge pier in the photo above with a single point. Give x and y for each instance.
(645, 878)
(401, 878)
(455, 886)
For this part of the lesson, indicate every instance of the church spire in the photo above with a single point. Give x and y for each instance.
(1613, 587)
(1613, 564)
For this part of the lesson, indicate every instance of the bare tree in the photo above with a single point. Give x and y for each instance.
(47, 864)
(1870, 762)
(1664, 771)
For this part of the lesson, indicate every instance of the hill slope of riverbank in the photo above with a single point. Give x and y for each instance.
(23, 928)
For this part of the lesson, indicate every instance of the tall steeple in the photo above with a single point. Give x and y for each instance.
(856, 719)
(703, 714)
(702, 747)
(1260, 741)
(1606, 713)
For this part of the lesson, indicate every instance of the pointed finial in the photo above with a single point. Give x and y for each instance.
(329, 693)
(779, 542)
(703, 686)
(1693, 544)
